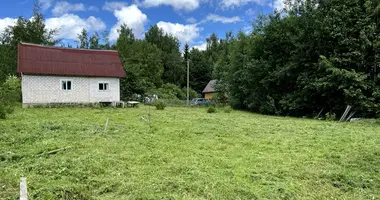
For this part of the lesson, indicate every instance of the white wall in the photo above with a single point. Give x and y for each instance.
(47, 89)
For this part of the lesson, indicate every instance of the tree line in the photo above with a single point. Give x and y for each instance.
(315, 56)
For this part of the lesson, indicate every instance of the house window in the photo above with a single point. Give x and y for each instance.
(103, 86)
(66, 85)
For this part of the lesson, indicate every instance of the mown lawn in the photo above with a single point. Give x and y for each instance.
(186, 153)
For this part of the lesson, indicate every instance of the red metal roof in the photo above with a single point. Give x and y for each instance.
(47, 60)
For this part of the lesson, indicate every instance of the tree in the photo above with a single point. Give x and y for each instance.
(141, 61)
(174, 70)
(106, 43)
(94, 41)
(186, 52)
(32, 30)
(83, 39)
(200, 70)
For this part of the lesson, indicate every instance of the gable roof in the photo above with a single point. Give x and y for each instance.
(49, 60)
(210, 87)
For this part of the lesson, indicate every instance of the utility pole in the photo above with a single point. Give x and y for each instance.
(188, 66)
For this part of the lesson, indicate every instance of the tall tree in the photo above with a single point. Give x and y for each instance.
(173, 62)
(141, 61)
(31, 30)
(83, 39)
(94, 41)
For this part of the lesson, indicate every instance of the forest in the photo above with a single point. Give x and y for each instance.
(315, 56)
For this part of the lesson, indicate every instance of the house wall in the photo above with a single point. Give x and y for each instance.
(47, 89)
(209, 95)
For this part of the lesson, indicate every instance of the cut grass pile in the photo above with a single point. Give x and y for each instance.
(186, 153)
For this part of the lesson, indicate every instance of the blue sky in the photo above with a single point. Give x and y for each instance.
(189, 20)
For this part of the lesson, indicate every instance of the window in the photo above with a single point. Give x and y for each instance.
(66, 85)
(103, 86)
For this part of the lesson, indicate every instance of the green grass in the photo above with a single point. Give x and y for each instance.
(186, 153)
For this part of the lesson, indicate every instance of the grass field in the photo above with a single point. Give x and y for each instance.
(186, 153)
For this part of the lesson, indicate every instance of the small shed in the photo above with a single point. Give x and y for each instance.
(210, 90)
(63, 75)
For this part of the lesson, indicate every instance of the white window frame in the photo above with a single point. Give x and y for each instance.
(61, 84)
(104, 82)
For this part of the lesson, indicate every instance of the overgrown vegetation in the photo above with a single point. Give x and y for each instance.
(160, 105)
(211, 109)
(10, 94)
(185, 153)
(314, 55)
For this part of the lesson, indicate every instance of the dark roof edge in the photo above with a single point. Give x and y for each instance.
(71, 75)
(55, 47)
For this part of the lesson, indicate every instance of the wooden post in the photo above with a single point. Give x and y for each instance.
(23, 189)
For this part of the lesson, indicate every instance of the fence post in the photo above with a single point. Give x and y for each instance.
(23, 189)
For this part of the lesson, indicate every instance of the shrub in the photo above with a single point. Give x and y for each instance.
(10, 93)
(160, 105)
(211, 110)
(330, 117)
(228, 109)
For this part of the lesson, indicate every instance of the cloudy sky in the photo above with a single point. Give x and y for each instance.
(190, 20)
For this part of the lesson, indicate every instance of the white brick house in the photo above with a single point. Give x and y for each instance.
(61, 75)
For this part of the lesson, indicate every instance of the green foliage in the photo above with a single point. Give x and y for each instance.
(313, 55)
(84, 42)
(94, 41)
(330, 117)
(30, 30)
(171, 91)
(174, 67)
(10, 93)
(200, 69)
(160, 105)
(228, 109)
(211, 109)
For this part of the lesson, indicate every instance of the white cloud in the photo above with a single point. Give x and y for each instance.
(69, 25)
(191, 20)
(250, 12)
(187, 5)
(114, 5)
(4, 23)
(184, 33)
(201, 47)
(278, 4)
(132, 17)
(46, 4)
(237, 3)
(218, 18)
(62, 7)
(93, 8)
(226, 4)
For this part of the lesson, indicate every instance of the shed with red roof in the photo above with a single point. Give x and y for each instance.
(62, 75)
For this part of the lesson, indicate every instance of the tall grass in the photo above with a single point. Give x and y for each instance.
(185, 153)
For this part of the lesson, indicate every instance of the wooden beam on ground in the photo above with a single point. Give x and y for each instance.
(23, 189)
(53, 151)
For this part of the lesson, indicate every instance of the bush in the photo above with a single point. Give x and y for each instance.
(330, 117)
(10, 93)
(171, 91)
(160, 105)
(228, 109)
(211, 110)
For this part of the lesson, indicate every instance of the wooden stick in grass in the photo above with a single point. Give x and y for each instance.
(53, 151)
